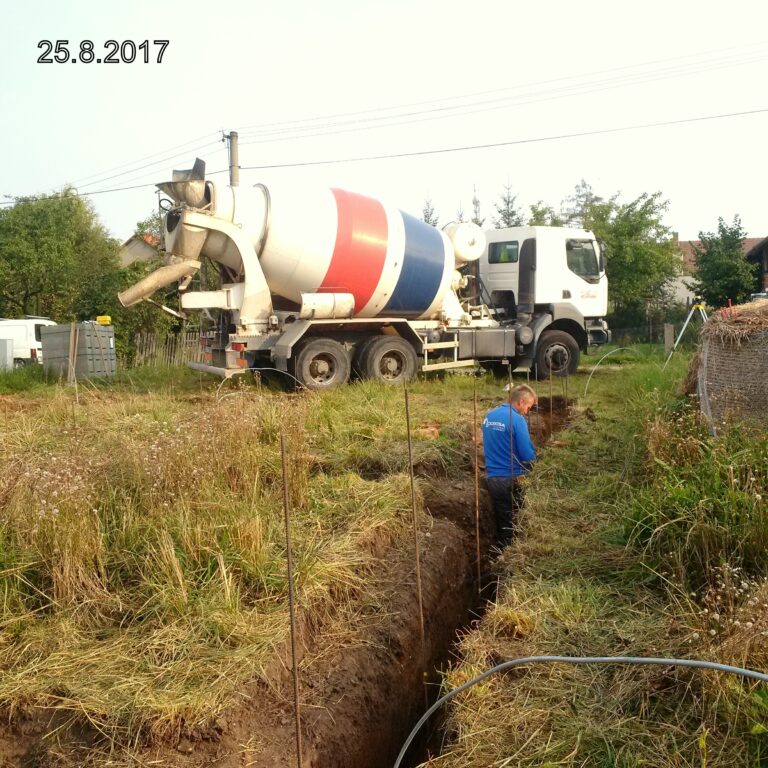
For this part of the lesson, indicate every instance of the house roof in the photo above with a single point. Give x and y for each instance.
(138, 248)
(686, 248)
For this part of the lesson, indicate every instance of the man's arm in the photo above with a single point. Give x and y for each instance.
(524, 449)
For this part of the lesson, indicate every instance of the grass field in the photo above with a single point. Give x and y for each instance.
(142, 555)
(643, 536)
(143, 575)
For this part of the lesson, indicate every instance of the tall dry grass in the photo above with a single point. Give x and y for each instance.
(142, 557)
(703, 501)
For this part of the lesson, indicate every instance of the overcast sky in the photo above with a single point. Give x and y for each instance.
(305, 82)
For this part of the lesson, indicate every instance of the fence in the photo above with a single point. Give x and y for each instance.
(170, 349)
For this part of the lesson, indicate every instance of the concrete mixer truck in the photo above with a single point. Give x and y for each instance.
(322, 284)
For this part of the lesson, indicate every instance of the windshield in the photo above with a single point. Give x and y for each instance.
(582, 259)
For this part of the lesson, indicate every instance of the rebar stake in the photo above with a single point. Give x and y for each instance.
(413, 509)
(291, 609)
(528, 382)
(513, 479)
(477, 487)
(551, 404)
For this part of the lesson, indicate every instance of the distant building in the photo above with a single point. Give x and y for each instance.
(755, 249)
(138, 248)
(758, 254)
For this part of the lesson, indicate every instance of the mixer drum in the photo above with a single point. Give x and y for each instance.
(333, 241)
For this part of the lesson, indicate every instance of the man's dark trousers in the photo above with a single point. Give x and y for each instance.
(507, 498)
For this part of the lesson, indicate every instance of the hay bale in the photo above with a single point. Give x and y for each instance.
(733, 365)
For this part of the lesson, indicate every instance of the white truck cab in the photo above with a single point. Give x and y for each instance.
(546, 287)
(568, 264)
(26, 335)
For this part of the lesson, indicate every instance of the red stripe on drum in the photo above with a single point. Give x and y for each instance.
(361, 248)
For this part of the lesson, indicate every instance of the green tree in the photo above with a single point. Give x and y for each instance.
(100, 298)
(508, 213)
(428, 213)
(722, 270)
(152, 226)
(641, 257)
(460, 216)
(576, 208)
(476, 209)
(543, 215)
(52, 247)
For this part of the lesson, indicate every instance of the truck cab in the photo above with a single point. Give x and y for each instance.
(546, 287)
(558, 265)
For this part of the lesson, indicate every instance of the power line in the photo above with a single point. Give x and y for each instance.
(450, 112)
(692, 67)
(149, 165)
(146, 157)
(558, 137)
(116, 189)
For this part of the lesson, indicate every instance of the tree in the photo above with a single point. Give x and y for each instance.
(575, 209)
(641, 257)
(460, 214)
(508, 214)
(152, 225)
(544, 216)
(428, 213)
(722, 270)
(476, 209)
(52, 248)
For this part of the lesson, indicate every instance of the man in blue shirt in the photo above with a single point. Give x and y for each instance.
(504, 470)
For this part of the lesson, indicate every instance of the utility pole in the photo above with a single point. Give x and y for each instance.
(234, 159)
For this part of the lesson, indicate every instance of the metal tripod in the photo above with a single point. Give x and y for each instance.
(704, 317)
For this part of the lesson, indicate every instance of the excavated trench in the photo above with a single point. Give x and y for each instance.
(359, 705)
(374, 695)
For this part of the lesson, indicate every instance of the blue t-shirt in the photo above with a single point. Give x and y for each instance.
(496, 442)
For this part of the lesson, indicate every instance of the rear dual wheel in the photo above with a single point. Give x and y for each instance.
(389, 359)
(321, 364)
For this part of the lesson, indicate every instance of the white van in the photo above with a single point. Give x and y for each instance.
(25, 332)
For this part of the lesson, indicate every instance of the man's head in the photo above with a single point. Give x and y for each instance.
(523, 398)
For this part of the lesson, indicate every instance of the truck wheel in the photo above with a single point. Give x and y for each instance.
(360, 355)
(557, 353)
(389, 359)
(321, 364)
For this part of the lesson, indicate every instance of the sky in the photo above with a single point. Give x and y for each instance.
(304, 83)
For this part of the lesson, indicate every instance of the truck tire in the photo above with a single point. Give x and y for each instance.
(361, 353)
(389, 359)
(321, 364)
(557, 353)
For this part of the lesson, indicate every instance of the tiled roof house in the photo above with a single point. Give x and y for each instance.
(755, 249)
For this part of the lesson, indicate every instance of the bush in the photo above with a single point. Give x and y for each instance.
(704, 501)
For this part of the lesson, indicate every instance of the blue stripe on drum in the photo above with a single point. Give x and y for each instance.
(422, 272)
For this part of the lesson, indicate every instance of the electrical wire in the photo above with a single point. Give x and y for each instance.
(142, 159)
(162, 160)
(558, 137)
(695, 663)
(308, 123)
(452, 111)
(116, 189)
(445, 150)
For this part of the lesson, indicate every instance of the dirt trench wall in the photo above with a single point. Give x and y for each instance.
(385, 688)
